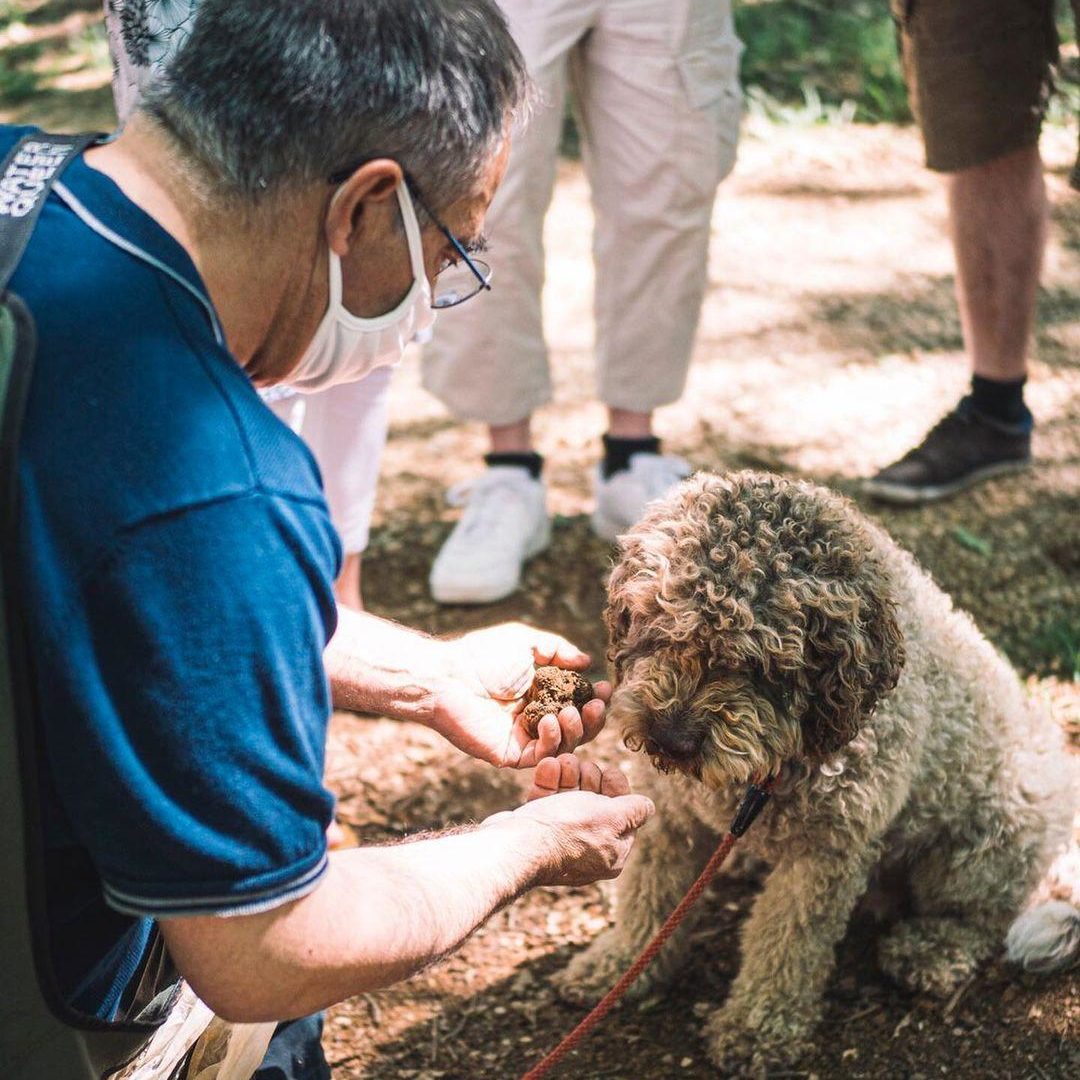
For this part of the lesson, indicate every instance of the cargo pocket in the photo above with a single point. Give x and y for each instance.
(709, 73)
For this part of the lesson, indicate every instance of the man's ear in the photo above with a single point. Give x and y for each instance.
(373, 183)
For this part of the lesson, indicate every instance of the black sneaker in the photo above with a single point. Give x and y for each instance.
(961, 449)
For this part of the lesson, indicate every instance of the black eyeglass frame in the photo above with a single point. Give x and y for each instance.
(484, 279)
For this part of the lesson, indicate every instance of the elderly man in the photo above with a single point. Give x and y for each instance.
(345, 425)
(278, 210)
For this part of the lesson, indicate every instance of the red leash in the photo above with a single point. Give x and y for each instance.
(756, 797)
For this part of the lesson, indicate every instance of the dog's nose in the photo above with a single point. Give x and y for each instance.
(676, 736)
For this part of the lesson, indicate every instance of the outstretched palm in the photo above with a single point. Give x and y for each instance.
(479, 708)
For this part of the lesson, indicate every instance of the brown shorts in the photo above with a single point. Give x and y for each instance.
(979, 73)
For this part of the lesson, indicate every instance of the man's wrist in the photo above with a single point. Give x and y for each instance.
(534, 843)
(400, 676)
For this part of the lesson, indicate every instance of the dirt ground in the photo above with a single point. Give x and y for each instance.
(828, 344)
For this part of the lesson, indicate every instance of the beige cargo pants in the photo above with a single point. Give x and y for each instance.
(655, 85)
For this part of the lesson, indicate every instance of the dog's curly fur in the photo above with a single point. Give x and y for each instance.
(764, 626)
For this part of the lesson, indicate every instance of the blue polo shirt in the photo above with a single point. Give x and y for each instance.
(176, 559)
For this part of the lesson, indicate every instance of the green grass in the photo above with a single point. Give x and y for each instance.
(822, 56)
(828, 61)
(806, 62)
(832, 59)
(1059, 643)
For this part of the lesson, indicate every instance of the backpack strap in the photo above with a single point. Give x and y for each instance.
(26, 178)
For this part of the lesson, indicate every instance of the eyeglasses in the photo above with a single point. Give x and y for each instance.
(457, 281)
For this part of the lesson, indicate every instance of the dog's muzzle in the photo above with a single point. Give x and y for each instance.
(672, 744)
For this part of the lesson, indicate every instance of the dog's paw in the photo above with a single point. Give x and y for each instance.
(749, 1046)
(592, 973)
(933, 956)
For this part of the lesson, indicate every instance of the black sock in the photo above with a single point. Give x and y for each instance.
(525, 459)
(617, 452)
(1000, 400)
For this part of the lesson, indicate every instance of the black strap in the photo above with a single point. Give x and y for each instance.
(26, 178)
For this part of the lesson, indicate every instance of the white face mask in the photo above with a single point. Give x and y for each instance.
(346, 347)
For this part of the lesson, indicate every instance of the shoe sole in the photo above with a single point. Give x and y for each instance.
(900, 495)
(540, 542)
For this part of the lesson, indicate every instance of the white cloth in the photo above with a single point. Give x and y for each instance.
(346, 429)
(656, 87)
(219, 1050)
(346, 426)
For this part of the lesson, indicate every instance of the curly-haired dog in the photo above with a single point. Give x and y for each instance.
(761, 626)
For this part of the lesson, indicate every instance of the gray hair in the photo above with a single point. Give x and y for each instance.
(269, 96)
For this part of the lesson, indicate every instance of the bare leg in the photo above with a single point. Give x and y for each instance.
(513, 438)
(347, 587)
(998, 217)
(347, 592)
(624, 424)
(517, 438)
(998, 213)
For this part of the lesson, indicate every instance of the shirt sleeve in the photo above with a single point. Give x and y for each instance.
(187, 742)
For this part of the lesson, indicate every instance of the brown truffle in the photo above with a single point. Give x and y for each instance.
(553, 689)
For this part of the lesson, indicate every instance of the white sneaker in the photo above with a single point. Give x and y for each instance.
(621, 500)
(505, 524)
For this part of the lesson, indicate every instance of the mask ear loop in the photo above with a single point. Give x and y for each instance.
(412, 235)
(335, 262)
(416, 261)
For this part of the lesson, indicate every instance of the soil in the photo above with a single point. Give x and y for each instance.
(829, 343)
(552, 690)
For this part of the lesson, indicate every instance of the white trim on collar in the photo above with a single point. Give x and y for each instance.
(106, 233)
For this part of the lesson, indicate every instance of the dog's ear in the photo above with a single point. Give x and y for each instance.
(617, 615)
(617, 620)
(851, 664)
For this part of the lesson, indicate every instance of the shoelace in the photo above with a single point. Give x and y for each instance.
(484, 500)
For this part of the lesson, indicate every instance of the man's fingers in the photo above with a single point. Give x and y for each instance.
(636, 808)
(571, 727)
(614, 783)
(569, 772)
(552, 649)
(548, 737)
(602, 690)
(592, 719)
(592, 777)
(546, 777)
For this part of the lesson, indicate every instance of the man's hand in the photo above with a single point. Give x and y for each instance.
(568, 772)
(478, 707)
(419, 900)
(584, 820)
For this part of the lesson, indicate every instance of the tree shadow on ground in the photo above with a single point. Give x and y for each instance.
(505, 1028)
(923, 316)
(1066, 218)
(1007, 562)
(784, 189)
